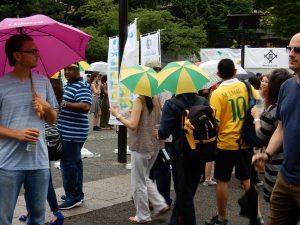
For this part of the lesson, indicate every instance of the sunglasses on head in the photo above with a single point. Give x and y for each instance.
(295, 49)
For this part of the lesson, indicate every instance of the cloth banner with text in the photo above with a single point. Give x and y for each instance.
(121, 97)
(150, 50)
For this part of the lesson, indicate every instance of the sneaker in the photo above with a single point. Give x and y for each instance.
(96, 128)
(69, 204)
(209, 183)
(259, 183)
(215, 221)
(63, 198)
(22, 218)
(58, 220)
(258, 221)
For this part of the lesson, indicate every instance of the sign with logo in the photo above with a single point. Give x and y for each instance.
(268, 58)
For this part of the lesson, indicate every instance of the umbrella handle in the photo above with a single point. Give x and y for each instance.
(39, 111)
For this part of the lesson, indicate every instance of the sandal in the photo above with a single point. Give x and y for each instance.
(134, 220)
(162, 211)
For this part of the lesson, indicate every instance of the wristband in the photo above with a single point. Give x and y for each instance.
(269, 156)
(256, 120)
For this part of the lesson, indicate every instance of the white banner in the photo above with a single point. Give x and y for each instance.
(150, 50)
(112, 76)
(130, 58)
(131, 50)
(120, 97)
(266, 58)
(207, 54)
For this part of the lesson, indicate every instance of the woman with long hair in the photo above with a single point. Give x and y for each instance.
(266, 123)
(145, 148)
(95, 107)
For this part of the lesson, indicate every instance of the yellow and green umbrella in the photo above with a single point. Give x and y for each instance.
(83, 65)
(181, 77)
(140, 80)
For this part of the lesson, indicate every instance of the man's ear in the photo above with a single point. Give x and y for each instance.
(17, 56)
(234, 72)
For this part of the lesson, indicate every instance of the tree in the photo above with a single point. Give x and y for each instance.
(282, 17)
(213, 15)
(176, 37)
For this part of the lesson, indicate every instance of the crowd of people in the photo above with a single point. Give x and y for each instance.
(154, 127)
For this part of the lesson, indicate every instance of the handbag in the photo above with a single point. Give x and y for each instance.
(54, 142)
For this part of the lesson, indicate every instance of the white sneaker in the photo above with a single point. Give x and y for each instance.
(209, 183)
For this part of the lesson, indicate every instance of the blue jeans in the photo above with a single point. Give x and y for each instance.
(51, 195)
(72, 170)
(35, 184)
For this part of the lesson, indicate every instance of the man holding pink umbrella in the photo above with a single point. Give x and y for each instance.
(26, 102)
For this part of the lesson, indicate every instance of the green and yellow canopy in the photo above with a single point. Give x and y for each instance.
(140, 80)
(181, 77)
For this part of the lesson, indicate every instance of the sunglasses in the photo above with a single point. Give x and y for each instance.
(33, 51)
(295, 49)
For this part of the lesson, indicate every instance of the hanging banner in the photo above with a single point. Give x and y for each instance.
(150, 50)
(130, 58)
(266, 58)
(112, 76)
(119, 96)
(207, 54)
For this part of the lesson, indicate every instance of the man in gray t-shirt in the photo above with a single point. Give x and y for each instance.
(23, 112)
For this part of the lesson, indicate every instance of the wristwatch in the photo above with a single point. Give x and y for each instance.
(63, 104)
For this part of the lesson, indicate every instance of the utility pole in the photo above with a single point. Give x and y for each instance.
(242, 22)
(123, 28)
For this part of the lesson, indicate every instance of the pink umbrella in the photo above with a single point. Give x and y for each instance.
(59, 44)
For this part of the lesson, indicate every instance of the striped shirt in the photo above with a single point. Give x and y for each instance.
(74, 125)
(264, 133)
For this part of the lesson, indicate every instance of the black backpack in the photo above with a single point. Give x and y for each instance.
(199, 126)
(248, 134)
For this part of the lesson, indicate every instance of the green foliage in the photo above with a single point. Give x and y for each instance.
(186, 25)
(286, 21)
(281, 17)
(98, 45)
(176, 35)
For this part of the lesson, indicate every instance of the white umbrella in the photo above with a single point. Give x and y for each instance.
(211, 69)
(100, 67)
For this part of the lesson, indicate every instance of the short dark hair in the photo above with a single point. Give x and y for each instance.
(13, 44)
(226, 68)
(255, 82)
(278, 76)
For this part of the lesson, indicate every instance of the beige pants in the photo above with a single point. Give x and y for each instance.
(142, 187)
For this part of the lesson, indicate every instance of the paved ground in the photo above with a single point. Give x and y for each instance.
(107, 188)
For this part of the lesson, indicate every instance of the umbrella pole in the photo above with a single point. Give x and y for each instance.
(123, 23)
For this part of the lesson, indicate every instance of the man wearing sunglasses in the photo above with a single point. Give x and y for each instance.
(23, 150)
(285, 198)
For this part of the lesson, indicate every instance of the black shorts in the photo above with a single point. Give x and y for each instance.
(227, 159)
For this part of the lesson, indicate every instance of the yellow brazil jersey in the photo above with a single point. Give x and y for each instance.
(230, 102)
